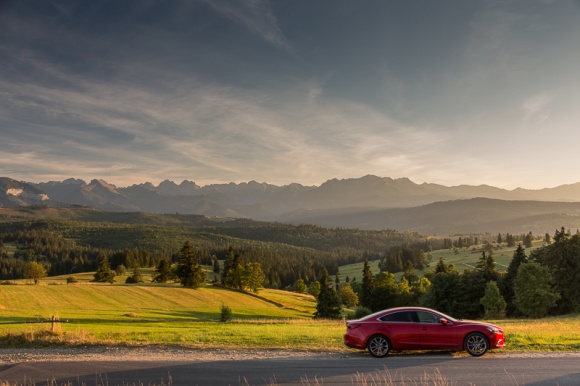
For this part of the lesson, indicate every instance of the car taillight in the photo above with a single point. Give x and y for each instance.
(352, 326)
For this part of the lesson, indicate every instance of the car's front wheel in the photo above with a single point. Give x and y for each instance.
(476, 344)
(379, 346)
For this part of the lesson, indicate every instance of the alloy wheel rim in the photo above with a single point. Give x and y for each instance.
(379, 346)
(476, 344)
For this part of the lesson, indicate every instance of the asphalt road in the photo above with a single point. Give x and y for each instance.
(355, 369)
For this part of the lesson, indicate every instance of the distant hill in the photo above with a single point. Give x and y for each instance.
(476, 215)
(369, 202)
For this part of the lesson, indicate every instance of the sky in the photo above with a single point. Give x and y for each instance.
(217, 91)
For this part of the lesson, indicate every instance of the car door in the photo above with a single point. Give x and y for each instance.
(402, 330)
(434, 334)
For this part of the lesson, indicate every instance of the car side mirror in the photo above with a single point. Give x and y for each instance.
(443, 321)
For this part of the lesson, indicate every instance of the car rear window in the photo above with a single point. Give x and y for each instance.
(403, 316)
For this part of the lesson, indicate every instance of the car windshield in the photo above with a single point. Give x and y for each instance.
(450, 318)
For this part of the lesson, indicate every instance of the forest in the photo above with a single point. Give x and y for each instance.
(288, 255)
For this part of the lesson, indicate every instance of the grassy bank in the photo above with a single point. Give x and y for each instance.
(168, 314)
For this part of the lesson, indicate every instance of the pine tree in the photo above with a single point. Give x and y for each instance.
(234, 274)
(189, 270)
(367, 286)
(162, 272)
(441, 267)
(216, 266)
(528, 240)
(518, 259)
(486, 265)
(104, 273)
(547, 238)
(328, 304)
(228, 265)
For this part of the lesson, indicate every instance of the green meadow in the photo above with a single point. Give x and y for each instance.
(161, 314)
(150, 314)
(462, 258)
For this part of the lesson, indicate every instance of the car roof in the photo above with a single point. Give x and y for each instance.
(399, 309)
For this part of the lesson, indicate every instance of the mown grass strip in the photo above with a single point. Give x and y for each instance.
(171, 315)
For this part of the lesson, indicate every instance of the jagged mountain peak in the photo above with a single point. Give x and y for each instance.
(14, 193)
(263, 201)
(102, 184)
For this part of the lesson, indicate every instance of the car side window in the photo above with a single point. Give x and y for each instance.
(427, 317)
(404, 316)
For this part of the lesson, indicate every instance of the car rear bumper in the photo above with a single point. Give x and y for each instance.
(353, 342)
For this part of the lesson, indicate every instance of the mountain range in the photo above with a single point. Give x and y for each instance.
(369, 202)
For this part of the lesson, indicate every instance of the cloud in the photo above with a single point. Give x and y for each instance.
(188, 129)
(254, 15)
(536, 108)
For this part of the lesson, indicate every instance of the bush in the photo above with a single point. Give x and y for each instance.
(360, 312)
(120, 270)
(71, 280)
(225, 313)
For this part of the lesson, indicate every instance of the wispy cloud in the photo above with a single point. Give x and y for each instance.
(189, 129)
(537, 108)
(254, 15)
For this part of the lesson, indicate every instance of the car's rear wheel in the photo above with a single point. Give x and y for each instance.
(476, 344)
(379, 346)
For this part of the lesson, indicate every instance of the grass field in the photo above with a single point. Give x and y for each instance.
(462, 258)
(161, 314)
(171, 315)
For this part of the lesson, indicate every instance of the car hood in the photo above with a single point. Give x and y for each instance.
(475, 322)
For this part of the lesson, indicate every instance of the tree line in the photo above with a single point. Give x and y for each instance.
(545, 282)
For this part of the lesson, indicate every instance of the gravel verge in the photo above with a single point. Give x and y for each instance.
(82, 354)
(177, 354)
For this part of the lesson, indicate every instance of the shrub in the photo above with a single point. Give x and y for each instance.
(360, 312)
(225, 313)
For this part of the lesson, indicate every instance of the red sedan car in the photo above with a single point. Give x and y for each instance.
(417, 328)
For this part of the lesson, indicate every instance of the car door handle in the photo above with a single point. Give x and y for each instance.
(424, 328)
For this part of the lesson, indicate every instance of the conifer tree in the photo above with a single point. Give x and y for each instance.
(518, 259)
(234, 274)
(163, 272)
(104, 272)
(486, 265)
(189, 270)
(367, 286)
(441, 267)
(328, 304)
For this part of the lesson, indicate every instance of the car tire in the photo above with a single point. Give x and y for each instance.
(378, 346)
(476, 344)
